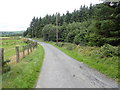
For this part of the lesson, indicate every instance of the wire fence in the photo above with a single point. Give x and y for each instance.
(14, 55)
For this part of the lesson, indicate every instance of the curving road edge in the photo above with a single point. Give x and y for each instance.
(61, 71)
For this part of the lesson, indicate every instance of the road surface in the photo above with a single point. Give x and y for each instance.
(61, 71)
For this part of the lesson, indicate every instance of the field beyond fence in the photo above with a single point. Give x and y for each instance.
(19, 55)
(13, 50)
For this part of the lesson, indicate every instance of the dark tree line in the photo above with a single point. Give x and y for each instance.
(95, 25)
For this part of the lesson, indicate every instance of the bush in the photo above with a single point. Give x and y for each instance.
(69, 47)
(49, 32)
(70, 37)
(108, 50)
(77, 39)
(60, 44)
(27, 41)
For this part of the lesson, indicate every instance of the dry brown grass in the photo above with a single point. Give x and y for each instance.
(13, 58)
(24, 39)
(6, 38)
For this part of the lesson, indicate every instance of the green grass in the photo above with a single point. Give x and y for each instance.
(9, 46)
(12, 43)
(25, 73)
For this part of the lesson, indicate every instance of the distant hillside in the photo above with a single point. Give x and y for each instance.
(14, 33)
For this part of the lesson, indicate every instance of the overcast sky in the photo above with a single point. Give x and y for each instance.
(16, 15)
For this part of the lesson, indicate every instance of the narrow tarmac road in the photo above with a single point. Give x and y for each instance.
(62, 71)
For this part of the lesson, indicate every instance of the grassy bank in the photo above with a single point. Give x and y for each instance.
(99, 58)
(88, 55)
(25, 73)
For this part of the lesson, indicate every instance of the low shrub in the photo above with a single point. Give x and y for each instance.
(69, 47)
(108, 50)
(27, 41)
(60, 44)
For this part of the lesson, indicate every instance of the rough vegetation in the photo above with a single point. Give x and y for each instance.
(105, 58)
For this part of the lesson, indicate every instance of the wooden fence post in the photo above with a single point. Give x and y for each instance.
(28, 49)
(1, 56)
(36, 44)
(33, 46)
(17, 54)
(23, 51)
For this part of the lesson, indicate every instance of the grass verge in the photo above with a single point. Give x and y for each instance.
(107, 65)
(25, 73)
(104, 66)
